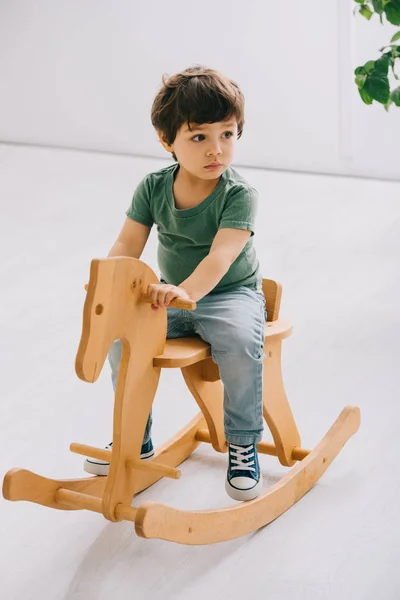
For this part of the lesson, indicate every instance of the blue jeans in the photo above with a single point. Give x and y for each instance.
(233, 324)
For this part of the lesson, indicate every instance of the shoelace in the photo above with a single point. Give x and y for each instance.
(238, 460)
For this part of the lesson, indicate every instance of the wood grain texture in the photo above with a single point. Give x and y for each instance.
(276, 408)
(272, 291)
(182, 352)
(21, 484)
(208, 527)
(115, 309)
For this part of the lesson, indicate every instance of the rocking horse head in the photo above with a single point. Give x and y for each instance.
(114, 309)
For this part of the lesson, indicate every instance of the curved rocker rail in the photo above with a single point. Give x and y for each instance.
(208, 527)
(21, 484)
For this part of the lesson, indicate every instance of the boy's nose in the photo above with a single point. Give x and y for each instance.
(214, 150)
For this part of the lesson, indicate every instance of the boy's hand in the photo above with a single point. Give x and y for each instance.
(162, 294)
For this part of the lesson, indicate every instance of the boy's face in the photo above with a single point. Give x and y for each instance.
(206, 150)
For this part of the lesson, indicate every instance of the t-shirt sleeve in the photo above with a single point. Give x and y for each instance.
(140, 207)
(240, 209)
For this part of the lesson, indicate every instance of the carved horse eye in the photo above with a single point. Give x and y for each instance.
(99, 309)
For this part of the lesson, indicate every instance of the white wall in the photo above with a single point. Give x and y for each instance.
(83, 74)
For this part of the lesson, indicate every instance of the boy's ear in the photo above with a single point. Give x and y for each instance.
(164, 143)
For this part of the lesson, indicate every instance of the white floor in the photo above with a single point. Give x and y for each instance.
(335, 245)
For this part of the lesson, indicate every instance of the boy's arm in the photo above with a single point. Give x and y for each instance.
(131, 240)
(226, 247)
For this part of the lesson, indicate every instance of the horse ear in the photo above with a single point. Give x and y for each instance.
(94, 269)
(80, 360)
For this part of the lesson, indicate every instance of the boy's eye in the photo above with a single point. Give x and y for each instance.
(200, 137)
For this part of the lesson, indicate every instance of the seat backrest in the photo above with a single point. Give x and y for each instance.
(273, 293)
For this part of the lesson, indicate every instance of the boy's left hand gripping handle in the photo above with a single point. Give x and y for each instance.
(177, 303)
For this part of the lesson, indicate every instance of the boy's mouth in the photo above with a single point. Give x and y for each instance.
(213, 166)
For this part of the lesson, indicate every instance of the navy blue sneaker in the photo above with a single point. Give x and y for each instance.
(244, 479)
(147, 450)
(95, 466)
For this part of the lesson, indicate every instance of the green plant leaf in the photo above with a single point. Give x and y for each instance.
(378, 6)
(393, 55)
(391, 63)
(392, 12)
(366, 12)
(372, 78)
(360, 71)
(360, 80)
(395, 96)
(382, 64)
(365, 97)
(377, 87)
(369, 66)
(390, 59)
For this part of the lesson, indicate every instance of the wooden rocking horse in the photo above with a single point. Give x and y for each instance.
(117, 307)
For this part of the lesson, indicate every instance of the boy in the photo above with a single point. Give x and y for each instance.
(205, 212)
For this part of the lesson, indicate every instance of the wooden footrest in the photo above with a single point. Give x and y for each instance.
(203, 435)
(141, 465)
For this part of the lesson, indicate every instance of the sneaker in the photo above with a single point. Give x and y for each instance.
(95, 466)
(244, 479)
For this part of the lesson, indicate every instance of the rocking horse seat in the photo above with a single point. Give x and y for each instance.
(182, 352)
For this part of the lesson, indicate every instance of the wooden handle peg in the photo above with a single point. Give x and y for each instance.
(177, 303)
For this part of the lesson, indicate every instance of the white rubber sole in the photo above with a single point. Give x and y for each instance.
(96, 468)
(243, 495)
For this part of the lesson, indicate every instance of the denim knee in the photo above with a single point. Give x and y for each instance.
(240, 345)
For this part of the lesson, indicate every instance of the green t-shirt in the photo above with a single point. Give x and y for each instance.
(185, 236)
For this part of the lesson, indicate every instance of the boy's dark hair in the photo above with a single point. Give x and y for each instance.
(196, 95)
